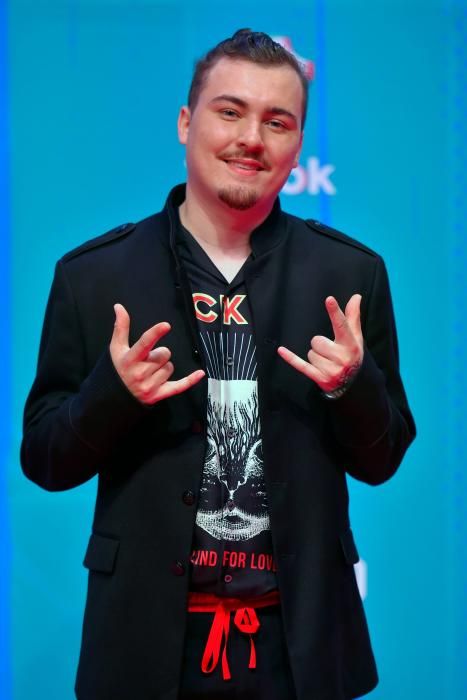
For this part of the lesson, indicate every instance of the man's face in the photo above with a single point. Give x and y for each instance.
(244, 135)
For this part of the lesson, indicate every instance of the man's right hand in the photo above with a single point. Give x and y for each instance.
(143, 369)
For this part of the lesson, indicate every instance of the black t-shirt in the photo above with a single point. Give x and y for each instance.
(232, 546)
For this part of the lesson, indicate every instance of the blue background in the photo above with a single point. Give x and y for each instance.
(89, 96)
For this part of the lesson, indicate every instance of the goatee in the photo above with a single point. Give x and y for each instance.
(240, 198)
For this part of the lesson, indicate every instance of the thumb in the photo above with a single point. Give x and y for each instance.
(121, 328)
(352, 314)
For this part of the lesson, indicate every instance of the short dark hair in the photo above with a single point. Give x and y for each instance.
(246, 45)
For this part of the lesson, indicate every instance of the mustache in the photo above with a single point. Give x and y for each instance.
(263, 162)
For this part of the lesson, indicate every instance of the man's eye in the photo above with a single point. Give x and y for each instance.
(231, 113)
(276, 124)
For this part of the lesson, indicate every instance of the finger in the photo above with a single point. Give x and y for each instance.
(326, 348)
(160, 355)
(340, 325)
(179, 386)
(352, 314)
(143, 346)
(334, 374)
(164, 373)
(121, 327)
(328, 368)
(149, 375)
(140, 375)
(149, 388)
(301, 365)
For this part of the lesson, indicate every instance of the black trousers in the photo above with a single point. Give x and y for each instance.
(270, 680)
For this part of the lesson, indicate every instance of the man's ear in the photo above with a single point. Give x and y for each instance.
(183, 124)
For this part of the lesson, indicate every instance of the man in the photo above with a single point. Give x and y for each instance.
(252, 363)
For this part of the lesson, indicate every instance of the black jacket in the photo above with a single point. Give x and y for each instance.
(80, 420)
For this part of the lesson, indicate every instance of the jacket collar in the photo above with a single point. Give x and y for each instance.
(271, 233)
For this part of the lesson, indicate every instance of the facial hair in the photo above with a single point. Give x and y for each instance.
(240, 198)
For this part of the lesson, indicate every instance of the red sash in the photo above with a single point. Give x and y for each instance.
(245, 619)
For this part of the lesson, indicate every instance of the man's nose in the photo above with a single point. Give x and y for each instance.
(250, 135)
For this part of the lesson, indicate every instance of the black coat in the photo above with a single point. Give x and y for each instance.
(80, 420)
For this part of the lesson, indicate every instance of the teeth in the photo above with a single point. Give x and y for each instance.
(245, 167)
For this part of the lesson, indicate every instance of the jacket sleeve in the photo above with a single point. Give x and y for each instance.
(372, 420)
(73, 416)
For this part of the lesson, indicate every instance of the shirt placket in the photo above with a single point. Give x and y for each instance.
(227, 363)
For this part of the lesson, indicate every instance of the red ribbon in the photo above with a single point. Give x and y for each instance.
(245, 619)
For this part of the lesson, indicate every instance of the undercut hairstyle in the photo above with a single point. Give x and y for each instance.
(246, 45)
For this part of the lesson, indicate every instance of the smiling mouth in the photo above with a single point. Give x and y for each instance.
(247, 166)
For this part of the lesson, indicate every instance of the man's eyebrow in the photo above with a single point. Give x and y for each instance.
(280, 110)
(229, 98)
(241, 103)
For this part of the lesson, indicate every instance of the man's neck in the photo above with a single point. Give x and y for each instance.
(221, 227)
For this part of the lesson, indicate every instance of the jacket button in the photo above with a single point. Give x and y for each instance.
(178, 568)
(188, 497)
(196, 427)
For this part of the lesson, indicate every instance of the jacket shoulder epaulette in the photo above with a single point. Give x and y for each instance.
(112, 235)
(338, 235)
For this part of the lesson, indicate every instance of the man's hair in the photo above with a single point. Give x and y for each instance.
(246, 45)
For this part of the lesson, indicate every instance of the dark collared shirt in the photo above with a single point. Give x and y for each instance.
(232, 546)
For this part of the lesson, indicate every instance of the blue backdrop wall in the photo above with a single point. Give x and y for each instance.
(89, 96)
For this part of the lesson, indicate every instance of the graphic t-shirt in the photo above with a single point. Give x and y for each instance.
(232, 546)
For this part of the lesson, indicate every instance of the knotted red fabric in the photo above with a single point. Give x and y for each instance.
(245, 619)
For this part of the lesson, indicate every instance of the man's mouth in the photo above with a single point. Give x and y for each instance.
(244, 164)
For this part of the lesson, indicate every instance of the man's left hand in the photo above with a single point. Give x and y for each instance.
(331, 363)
